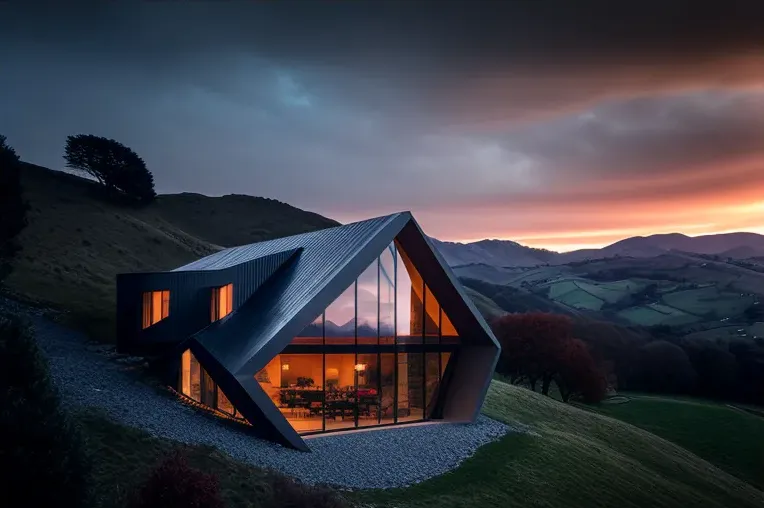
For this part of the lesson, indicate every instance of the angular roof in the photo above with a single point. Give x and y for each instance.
(324, 264)
(314, 241)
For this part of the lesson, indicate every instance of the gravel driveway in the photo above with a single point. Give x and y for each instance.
(386, 458)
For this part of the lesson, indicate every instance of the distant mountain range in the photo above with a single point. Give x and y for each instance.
(509, 253)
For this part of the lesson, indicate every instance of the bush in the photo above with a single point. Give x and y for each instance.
(175, 484)
(13, 208)
(290, 493)
(43, 457)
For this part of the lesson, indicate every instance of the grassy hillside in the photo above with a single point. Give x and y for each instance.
(729, 438)
(579, 458)
(236, 219)
(685, 291)
(487, 307)
(123, 458)
(76, 242)
(512, 299)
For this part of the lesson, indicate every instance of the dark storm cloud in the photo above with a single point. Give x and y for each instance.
(354, 107)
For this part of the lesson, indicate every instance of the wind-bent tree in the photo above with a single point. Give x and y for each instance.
(118, 168)
(13, 208)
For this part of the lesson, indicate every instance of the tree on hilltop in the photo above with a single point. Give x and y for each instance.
(115, 166)
(13, 208)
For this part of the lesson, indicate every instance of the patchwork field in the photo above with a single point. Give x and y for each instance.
(636, 300)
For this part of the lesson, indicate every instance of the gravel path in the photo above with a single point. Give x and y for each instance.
(377, 459)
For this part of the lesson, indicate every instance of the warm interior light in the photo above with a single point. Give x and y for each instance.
(360, 367)
(285, 366)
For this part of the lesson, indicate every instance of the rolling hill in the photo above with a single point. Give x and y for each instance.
(505, 253)
(76, 242)
(696, 295)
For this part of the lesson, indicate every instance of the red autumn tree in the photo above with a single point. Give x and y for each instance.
(540, 347)
(530, 345)
(578, 373)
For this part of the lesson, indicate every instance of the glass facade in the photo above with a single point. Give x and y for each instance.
(339, 319)
(376, 356)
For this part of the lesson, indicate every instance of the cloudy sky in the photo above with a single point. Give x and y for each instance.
(556, 124)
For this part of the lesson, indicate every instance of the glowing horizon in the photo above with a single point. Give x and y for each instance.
(541, 243)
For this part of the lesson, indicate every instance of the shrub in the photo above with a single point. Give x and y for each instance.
(13, 208)
(175, 484)
(290, 493)
(43, 457)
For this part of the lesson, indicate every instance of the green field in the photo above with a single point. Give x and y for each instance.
(589, 295)
(611, 292)
(726, 437)
(709, 299)
(657, 314)
(580, 299)
(569, 292)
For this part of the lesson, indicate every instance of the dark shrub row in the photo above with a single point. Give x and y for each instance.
(43, 456)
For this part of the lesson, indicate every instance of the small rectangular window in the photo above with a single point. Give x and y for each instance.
(221, 303)
(156, 307)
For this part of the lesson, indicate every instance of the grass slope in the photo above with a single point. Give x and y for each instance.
(580, 458)
(123, 458)
(487, 307)
(729, 438)
(76, 243)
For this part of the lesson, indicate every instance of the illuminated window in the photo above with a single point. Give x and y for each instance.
(222, 302)
(156, 307)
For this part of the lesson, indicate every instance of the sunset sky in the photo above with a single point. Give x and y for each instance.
(555, 124)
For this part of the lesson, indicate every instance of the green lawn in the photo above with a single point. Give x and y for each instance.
(579, 459)
(729, 438)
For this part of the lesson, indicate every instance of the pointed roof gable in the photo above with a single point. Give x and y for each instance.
(320, 267)
(327, 263)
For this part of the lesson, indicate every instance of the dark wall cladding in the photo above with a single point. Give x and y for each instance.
(190, 293)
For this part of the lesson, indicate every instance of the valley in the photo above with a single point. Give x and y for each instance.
(687, 292)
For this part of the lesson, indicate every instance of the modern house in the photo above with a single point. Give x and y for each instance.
(361, 325)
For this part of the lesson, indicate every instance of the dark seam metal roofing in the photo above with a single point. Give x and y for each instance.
(315, 239)
(271, 308)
